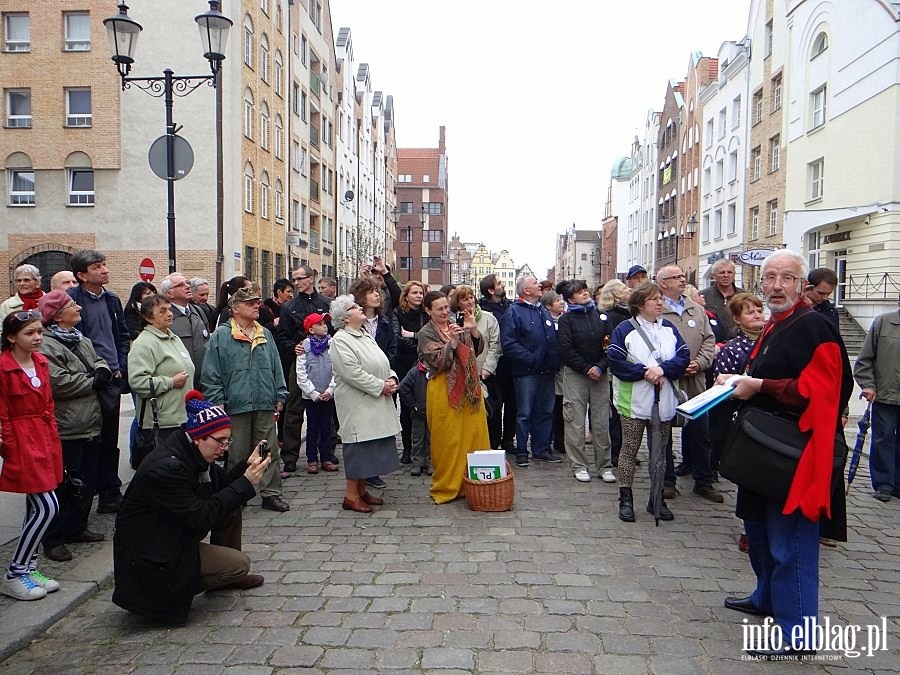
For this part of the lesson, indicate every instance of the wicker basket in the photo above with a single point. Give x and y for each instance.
(491, 495)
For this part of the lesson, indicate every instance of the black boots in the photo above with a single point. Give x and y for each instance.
(626, 505)
(664, 512)
(405, 457)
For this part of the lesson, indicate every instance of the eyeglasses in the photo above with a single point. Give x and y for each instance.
(30, 315)
(674, 276)
(786, 279)
(308, 276)
(224, 442)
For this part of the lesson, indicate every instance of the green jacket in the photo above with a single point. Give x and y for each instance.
(76, 403)
(159, 356)
(240, 374)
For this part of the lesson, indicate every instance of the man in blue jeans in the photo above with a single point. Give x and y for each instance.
(528, 336)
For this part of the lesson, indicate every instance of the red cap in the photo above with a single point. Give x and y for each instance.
(315, 318)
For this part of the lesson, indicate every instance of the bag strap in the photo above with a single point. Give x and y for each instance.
(154, 406)
(634, 322)
(74, 349)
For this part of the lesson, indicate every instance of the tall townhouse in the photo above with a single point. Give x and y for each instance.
(481, 264)
(75, 156)
(460, 256)
(505, 269)
(422, 195)
(313, 136)
(616, 213)
(842, 204)
(702, 70)
(639, 247)
(765, 188)
(669, 142)
(724, 128)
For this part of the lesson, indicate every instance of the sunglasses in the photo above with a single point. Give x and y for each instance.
(30, 315)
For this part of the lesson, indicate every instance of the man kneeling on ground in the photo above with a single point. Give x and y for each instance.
(178, 495)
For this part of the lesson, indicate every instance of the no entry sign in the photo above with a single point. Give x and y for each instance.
(147, 270)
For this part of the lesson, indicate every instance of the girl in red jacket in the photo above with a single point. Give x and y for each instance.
(31, 450)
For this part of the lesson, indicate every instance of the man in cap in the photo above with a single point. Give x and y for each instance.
(636, 275)
(179, 494)
(242, 373)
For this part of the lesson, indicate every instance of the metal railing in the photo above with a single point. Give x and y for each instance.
(867, 286)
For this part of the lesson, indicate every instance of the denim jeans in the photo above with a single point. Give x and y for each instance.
(884, 453)
(784, 554)
(534, 413)
(696, 442)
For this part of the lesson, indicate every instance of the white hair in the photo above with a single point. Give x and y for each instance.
(786, 253)
(30, 270)
(339, 309)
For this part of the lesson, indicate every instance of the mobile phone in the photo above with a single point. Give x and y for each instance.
(263, 449)
(460, 319)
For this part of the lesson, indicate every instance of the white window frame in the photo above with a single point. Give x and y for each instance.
(777, 93)
(756, 111)
(248, 118)
(264, 196)
(756, 163)
(79, 119)
(264, 6)
(295, 214)
(775, 153)
(263, 129)
(818, 107)
(264, 61)
(21, 197)
(304, 162)
(248, 46)
(279, 74)
(754, 224)
(19, 45)
(773, 217)
(77, 44)
(79, 197)
(296, 163)
(279, 202)
(279, 137)
(820, 44)
(816, 172)
(248, 192)
(17, 121)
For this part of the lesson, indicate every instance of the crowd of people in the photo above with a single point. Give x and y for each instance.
(557, 373)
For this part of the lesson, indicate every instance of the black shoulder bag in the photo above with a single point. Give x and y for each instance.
(145, 439)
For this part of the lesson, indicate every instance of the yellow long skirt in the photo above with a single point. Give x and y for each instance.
(454, 432)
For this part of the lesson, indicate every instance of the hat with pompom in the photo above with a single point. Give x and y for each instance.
(203, 418)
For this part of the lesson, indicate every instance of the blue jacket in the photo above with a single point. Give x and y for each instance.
(121, 338)
(528, 337)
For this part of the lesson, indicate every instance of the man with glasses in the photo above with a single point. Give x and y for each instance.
(187, 321)
(693, 325)
(242, 373)
(290, 335)
(799, 363)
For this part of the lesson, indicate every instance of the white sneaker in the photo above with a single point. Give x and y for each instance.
(583, 476)
(608, 476)
(49, 585)
(22, 587)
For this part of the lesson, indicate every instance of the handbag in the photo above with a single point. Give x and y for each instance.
(763, 449)
(145, 439)
(680, 395)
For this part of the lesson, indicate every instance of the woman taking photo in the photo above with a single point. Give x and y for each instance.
(31, 451)
(454, 405)
(158, 367)
(76, 373)
(463, 300)
(641, 381)
(406, 322)
(364, 384)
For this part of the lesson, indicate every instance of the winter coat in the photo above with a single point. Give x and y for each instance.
(407, 347)
(628, 357)
(191, 327)
(876, 366)
(31, 451)
(166, 511)
(414, 390)
(159, 356)
(582, 331)
(74, 397)
(10, 305)
(241, 374)
(315, 373)
(360, 369)
(529, 340)
(693, 327)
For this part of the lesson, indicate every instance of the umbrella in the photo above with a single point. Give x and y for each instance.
(657, 458)
(863, 426)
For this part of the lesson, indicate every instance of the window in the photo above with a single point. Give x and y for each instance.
(731, 221)
(279, 202)
(326, 229)
(775, 152)
(264, 6)
(296, 162)
(816, 172)
(404, 178)
(264, 126)
(817, 107)
(78, 108)
(755, 163)
(248, 188)
(313, 241)
(757, 110)
(303, 49)
(264, 58)
(249, 262)
(295, 214)
(404, 262)
(434, 208)
(303, 105)
(426, 178)
(279, 136)
(81, 187)
(736, 112)
(264, 195)
(732, 166)
(722, 123)
(433, 235)
(768, 38)
(720, 174)
(431, 262)
(777, 92)
(78, 32)
(820, 44)
(16, 33)
(279, 73)
(717, 224)
(707, 180)
(248, 115)
(406, 207)
(754, 224)
(295, 98)
(21, 187)
(248, 44)
(772, 207)
(18, 108)
(303, 161)
(279, 19)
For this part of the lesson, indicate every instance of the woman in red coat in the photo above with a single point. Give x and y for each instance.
(31, 450)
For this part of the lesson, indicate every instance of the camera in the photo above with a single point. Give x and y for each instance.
(263, 450)
(460, 319)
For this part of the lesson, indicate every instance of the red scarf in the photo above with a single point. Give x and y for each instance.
(29, 300)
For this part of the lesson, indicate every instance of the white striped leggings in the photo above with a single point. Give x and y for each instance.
(40, 510)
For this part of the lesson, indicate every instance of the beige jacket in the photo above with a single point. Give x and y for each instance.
(693, 326)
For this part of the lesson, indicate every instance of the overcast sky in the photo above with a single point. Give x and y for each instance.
(539, 99)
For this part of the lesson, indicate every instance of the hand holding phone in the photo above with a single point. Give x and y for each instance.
(263, 449)
(460, 319)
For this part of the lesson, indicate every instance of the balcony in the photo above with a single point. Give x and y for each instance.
(314, 135)
(314, 84)
(313, 190)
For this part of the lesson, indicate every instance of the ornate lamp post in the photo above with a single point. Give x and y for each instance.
(123, 32)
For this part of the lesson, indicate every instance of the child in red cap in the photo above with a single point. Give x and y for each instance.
(315, 377)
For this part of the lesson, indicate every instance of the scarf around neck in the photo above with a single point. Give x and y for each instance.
(71, 337)
(29, 300)
(318, 345)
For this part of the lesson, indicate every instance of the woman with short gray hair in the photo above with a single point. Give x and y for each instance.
(28, 291)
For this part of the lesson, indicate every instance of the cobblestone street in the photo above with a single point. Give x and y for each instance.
(559, 584)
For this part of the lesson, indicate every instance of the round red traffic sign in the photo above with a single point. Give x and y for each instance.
(147, 270)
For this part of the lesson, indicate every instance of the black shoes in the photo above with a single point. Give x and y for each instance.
(664, 512)
(110, 506)
(85, 537)
(883, 494)
(549, 458)
(376, 482)
(522, 461)
(744, 605)
(405, 457)
(58, 553)
(684, 469)
(416, 471)
(626, 505)
(275, 503)
(290, 467)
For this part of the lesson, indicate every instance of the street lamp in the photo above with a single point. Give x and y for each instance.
(688, 234)
(123, 32)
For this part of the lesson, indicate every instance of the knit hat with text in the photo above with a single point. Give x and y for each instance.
(203, 418)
